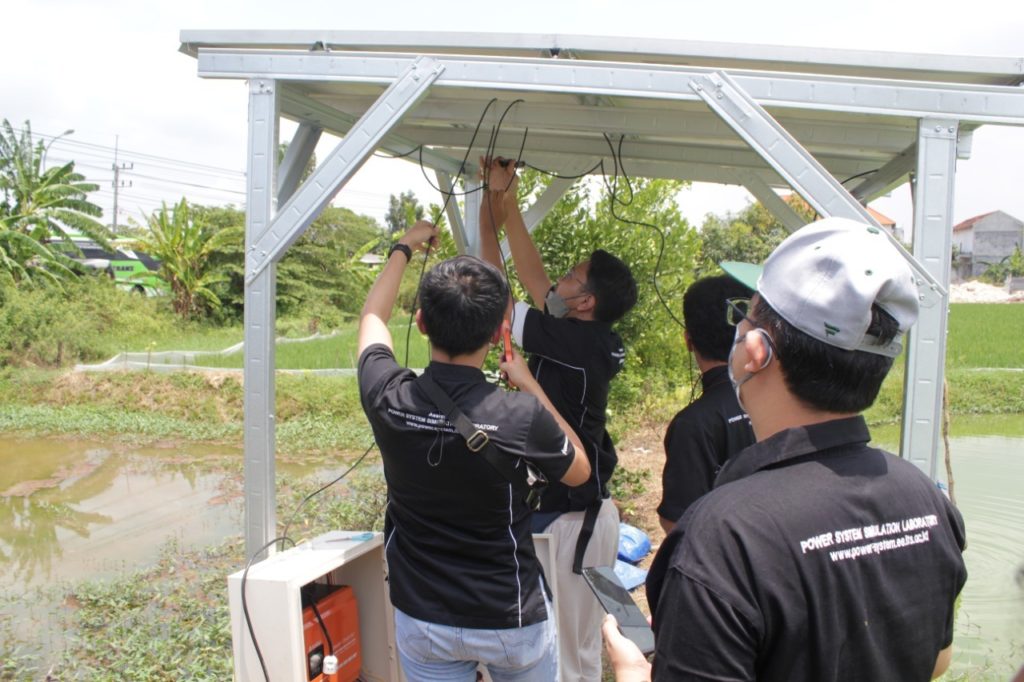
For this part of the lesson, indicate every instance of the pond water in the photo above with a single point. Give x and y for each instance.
(73, 509)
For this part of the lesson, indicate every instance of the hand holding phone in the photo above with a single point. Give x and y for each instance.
(616, 600)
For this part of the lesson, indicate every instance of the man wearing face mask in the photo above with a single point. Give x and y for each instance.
(574, 354)
(712, 428)
(815, 557)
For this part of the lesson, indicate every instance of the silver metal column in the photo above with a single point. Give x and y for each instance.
(260, 311)
(926, 344)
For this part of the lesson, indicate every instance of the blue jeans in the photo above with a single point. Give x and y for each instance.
(441, 653)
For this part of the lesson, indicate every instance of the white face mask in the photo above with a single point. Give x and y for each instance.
(556, 305)
(737, 340)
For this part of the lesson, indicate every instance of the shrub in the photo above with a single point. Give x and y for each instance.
(87, 320)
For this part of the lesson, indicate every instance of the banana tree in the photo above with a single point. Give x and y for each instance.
(39, 207)
(183, 244)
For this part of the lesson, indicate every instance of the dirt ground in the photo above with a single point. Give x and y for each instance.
(641, 450)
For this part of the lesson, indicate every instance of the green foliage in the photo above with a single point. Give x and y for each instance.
(320, 281)
(748, 236)
(88, 320)
(403, 211)
(356, 503)
(321, 274)
(168, 622)
(334, 351)
(1011, 266)
(644, 228)
(39, 206)
(183, 244)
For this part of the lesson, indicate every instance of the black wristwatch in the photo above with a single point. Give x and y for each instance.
(404, 248)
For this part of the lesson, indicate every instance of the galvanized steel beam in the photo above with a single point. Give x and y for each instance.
(977, 103)
(259, 313)
(772, 201)
(300, 151)
(318, 190)
(803, 173)
(451, 206)
(926, 345)
(304, 108)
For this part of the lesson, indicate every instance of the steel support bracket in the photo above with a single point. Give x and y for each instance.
(350, 154)
(796, 166)
(300, 151)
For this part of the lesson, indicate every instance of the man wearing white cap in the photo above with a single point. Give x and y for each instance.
(815, 556)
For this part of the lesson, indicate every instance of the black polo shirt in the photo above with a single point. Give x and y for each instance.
(574, 361)
(814, 558)
(699, 440)
(457, 536)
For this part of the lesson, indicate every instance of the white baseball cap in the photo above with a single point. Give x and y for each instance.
(824, 278)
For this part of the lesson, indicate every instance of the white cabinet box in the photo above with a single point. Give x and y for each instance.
(275, 609)
(272, 595)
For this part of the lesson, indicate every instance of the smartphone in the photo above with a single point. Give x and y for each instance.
(616, 600)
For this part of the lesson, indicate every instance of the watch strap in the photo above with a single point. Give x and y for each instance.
(404, 248)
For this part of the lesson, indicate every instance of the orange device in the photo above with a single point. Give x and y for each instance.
(506, 332)
(337, 607)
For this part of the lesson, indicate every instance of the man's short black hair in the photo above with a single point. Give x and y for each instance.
(613, 286)
(704, 314)
(463, 301)
(827, 377)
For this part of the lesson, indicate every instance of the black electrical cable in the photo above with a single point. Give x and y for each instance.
(245, 605)
(860, 175)
(599, 164)
(323, 628)
(613, 199)
(324, 487)
(462, 168)
(399, 156)
(448, 197)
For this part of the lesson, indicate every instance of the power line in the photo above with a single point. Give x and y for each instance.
(143, 155)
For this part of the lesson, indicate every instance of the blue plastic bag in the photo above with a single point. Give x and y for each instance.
(629, 575)
(634, 544)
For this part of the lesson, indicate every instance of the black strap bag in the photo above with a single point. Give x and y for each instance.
(525, 478)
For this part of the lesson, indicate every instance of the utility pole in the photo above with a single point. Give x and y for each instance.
(118, 182)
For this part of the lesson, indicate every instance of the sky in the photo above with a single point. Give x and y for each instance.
(110, 71)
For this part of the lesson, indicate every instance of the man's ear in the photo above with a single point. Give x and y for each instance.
(758, 348)
(587, 303)
(689, 341)
(419, 322)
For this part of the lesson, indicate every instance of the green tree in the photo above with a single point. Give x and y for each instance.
(183, 244)
(403, 211)
(749, 235)
(644, 228)
(39, 206)
(320, 277)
